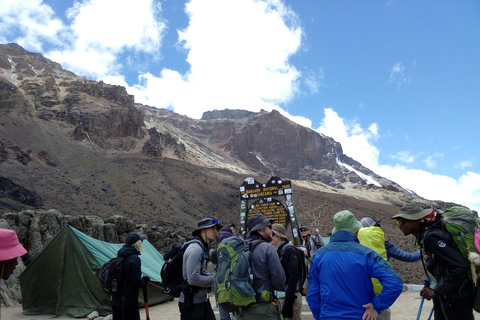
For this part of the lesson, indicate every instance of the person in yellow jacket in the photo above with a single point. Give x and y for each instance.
(371, 236)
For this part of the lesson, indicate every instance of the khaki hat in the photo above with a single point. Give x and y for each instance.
(413, 212)
(345, 220)
(279, 230)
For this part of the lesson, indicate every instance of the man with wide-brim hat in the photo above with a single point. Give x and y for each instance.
(453, 293)
(193, 301)
(340, 285)
(205, 224)
(290, 299)
(267, 270)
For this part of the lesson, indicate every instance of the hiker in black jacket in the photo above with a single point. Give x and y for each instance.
(268, 274)
(290, 300)
(453, 293)
(126, 307)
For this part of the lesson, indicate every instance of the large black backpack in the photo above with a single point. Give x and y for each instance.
(111, 277)
(171, 273)
(303, 266)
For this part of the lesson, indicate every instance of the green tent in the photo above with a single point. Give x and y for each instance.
(63, 278)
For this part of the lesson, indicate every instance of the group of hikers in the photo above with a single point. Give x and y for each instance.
(349, 278)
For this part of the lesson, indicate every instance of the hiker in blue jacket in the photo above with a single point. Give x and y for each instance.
(340, 285)
(126, 306)
(453, 293)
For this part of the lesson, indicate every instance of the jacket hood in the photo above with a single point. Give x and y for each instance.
(127, 250)
(343, 236)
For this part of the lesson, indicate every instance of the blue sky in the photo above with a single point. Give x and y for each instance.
(396, 82)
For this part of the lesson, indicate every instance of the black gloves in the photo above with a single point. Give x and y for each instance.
(287, 310)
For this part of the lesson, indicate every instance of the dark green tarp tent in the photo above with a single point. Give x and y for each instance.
(63, 278)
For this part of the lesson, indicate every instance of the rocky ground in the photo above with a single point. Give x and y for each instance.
(405, 308)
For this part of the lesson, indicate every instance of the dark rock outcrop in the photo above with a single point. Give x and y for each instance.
(13, 191)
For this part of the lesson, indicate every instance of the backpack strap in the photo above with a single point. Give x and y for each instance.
(252, 244)
(186, 287)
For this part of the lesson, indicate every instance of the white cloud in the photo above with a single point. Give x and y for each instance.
(356, 141)
(359, 144)
(101, 30)
(403, 156)
(33, 20)
(229, 58)
(397, 75)
(431, 161)
(464, 164)
(313, 81)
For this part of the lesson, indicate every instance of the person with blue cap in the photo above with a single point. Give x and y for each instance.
(193, 301)
(126, 306)
(340, 285)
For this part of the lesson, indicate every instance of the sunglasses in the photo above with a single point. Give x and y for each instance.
(303, 230)
(269, 226)
(400, 221)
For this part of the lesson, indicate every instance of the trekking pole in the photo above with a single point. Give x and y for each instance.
(431, 313)
(426, 284)
(145, 299)
(420, 308)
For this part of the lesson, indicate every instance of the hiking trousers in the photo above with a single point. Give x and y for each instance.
(456, 306)
(297, 307)
(261, 311)
(128, 312)
(196, 311)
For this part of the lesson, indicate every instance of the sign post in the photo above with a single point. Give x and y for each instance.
(264, 198)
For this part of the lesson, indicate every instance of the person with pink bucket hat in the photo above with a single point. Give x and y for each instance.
(10, 250)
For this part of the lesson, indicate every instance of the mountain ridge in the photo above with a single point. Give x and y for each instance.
(85, 147)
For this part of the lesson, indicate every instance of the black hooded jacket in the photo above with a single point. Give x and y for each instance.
(444, 260)
(133, 275)
(289, 258)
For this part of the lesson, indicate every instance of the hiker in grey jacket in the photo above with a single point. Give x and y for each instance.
(268, 274)
(193, 301)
